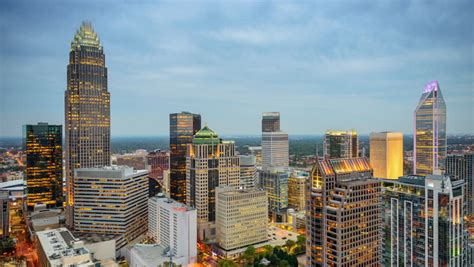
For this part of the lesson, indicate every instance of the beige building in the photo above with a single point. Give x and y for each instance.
(386, 154)
(210, 162)
(241, 217)
(296, 191)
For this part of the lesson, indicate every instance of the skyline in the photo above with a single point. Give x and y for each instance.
(228, 52)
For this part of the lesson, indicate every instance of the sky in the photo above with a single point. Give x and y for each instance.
(321, 64)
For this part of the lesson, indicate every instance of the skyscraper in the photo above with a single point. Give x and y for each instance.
(429, 142)
(386, 154)
(158, 161)
(424, 223)
(341, 144)
(87, 109)
(344, 214)
(111, 200)
(210, 163)
(182, 128)
(44, 164)
(296, 190)
(460, 167)
(274, 142)
(275, 182)
(248, 171)
(241, 219)
(271, 122)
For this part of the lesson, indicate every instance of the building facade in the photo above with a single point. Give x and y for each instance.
(4, 214)
(174, 225)
(87, 109)
(183, 126)
(44, 164)
(137, 160)
(271, 122)
(341, 144)
(296, 190)
(275, 150)
(158, 161)
(424, 221)
(460, 167)
(344, 214)
(111, 200)
(429, 142)
(210, 163)
(248, 171)
(241, 217)
(386, 154)
(275, 183)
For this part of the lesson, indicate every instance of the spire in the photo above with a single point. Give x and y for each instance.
(85, 36)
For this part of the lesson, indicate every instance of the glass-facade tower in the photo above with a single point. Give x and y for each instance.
(341, 144)
(44, 164)
(271, 122)
(87, 109)
(183, 126)
(429, 142)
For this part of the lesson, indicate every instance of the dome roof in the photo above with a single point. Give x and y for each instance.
(206, 136)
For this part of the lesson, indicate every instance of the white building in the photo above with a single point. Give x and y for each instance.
(275, 150)
(248, 171)
(58, 247)
(111, 200)
(173, 225)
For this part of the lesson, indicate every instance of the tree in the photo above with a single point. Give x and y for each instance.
(289, 244)
(226, 263)
(301, 240)
(249, 254)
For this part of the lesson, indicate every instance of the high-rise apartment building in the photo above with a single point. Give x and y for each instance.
(241, 218)
(111, 200)
(429, 142)
(183, 126)
(87, 109)
(424, 221)
(210, 163)
(275, 183)
(296, 190)
(341, 144)
(271, 122)
(173, 224)
(344, 214)
(4, 214)
(386, 154)
(44, 164)
(460, 167)
(248, 171)
(158, 161)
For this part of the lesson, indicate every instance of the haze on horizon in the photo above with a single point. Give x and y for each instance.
(322, 65)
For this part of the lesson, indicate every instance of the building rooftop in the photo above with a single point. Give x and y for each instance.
(59, 243)
(170, 203)
(206, 136)
(113, 171)
(85, 36)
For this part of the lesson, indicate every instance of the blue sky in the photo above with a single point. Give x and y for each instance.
(322, 64)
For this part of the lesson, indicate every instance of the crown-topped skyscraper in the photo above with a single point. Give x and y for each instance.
(87, 109)
(429, 138)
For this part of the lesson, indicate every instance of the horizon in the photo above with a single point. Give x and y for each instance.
(232, 61)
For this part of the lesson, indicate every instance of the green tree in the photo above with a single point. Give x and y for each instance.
(249, 254)
(226, 263)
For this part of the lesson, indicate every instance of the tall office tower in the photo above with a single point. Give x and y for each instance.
(275, 182)
(182, 128)
(429, 142)
(386, 154)
(344, 214)
(210, 163)
(111, 200)
(87, 110)
(460, 167)
(296, 190)
(44, 164)
(271, 122)
(423, 221)
(173, 224)
(4, 214)
(241, 219)
(248, 171)
(341, 144)
(158, 161)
